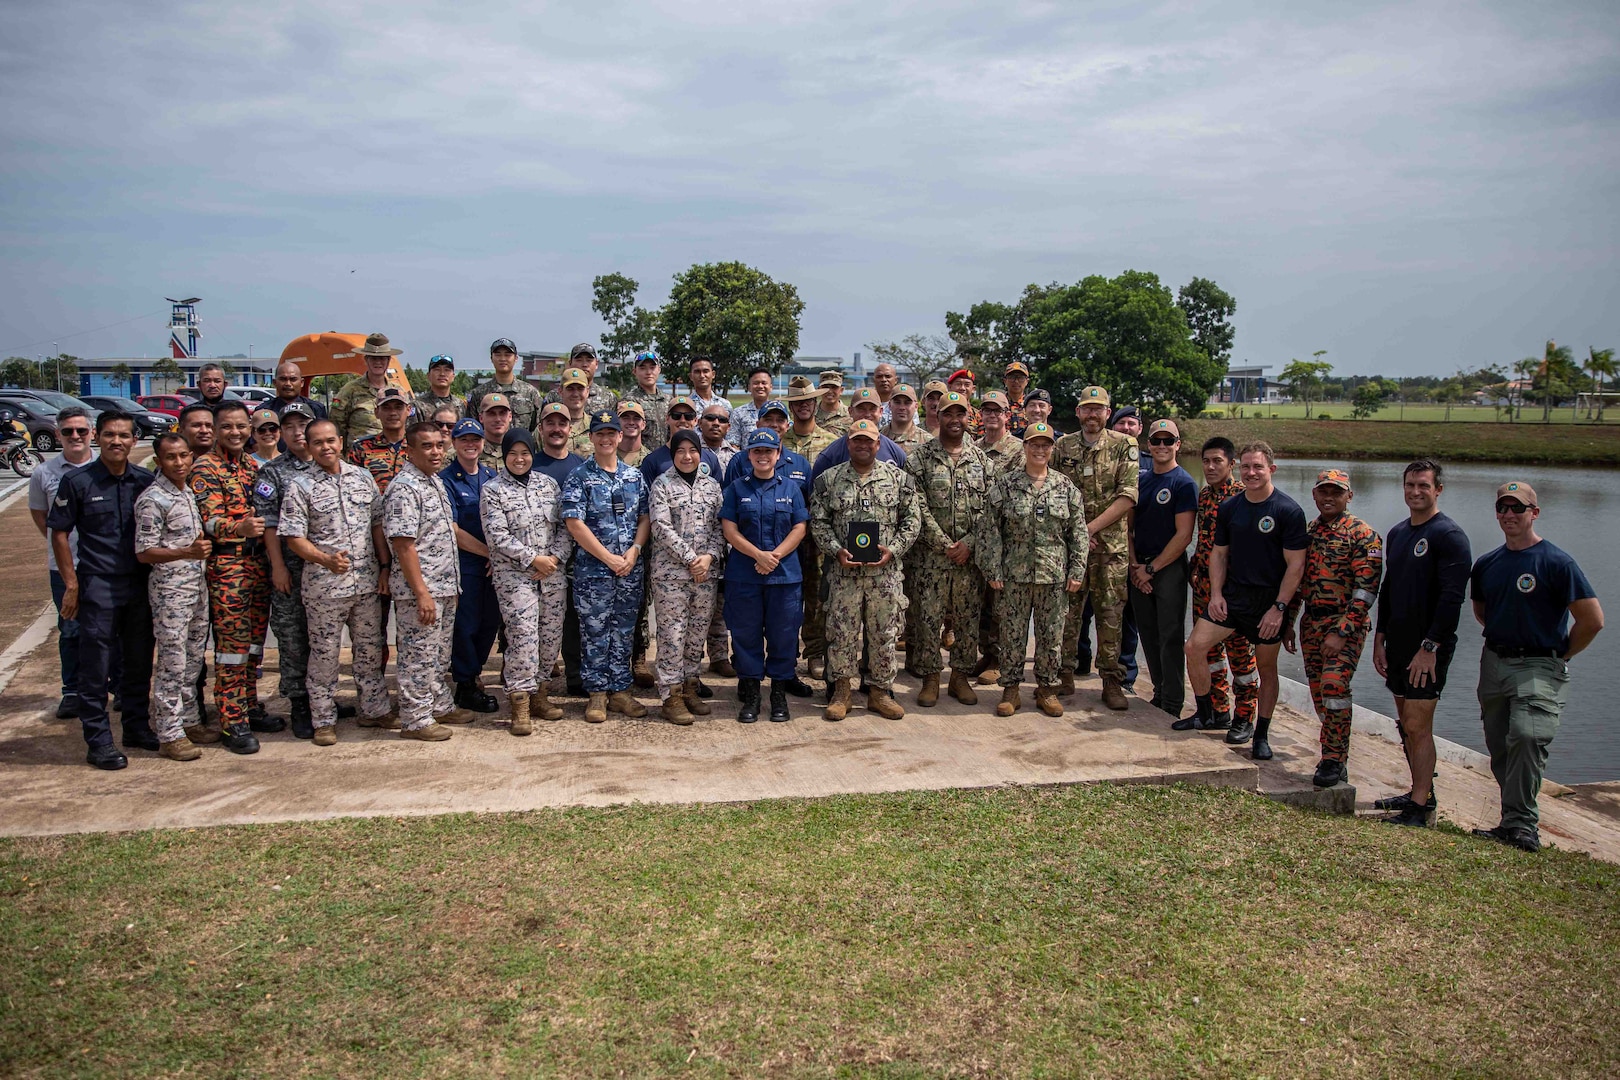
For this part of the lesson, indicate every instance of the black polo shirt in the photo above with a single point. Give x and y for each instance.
(101, 508)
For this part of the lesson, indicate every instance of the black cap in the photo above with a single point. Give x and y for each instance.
(502, 343)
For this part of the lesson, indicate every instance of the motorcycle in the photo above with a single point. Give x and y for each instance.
(17, 455)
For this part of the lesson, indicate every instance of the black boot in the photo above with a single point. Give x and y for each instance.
(795, 686)
(1261, 750)
(470, 696)
(747, 700)
(779, 706)
(262, 721)
(239, 739)
(303, 724)
(703, 691)
(344, 712)
(143, 738)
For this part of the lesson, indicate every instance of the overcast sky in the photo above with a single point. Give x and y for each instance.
(1413, 187)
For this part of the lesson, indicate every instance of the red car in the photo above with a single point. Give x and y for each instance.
(169, 404)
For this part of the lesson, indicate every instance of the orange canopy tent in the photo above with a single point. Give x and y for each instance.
(337, 354)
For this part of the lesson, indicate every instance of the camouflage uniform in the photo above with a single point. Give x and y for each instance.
(579, 436)
(238, 581)
(427, 403)
(656, 408)
(287, 615)
(1006, 455)
(1017, 418)
(491, 456)
(1344, 563)
(336, 513)
(598, 398)
(952, 492)
(379, 457)
(166, 517)
(637, 456)
(611, 506)
(1032, 540)
(837, 421)
(520, 394)
(685, 525)
(417, 506)
(522, 521)
(1103, 473)
(1234, 656)
(909, 441)
(865, 598)
(354, 408)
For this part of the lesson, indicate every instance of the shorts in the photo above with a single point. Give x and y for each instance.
(1398, 656)
(1244, 610)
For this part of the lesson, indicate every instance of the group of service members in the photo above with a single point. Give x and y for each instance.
(579, 527)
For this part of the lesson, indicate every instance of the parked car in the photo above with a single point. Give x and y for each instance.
(148, 424)
(191, 394)
(55, 399)
(38, 417)
(255, 396)
(167, 404)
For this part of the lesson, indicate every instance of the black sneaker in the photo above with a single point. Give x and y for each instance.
(1524, 839)
(1499, 834)
(1415, 817)
(1188, 723)
(1240, 733)
(1403, 802)
(1329, 773)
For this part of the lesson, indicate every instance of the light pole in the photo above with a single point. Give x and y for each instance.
(58, 354)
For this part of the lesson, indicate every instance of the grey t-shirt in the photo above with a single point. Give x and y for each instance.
(42, 487)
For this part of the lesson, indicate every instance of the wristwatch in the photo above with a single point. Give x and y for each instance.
(1280, 606)
(1430, 646)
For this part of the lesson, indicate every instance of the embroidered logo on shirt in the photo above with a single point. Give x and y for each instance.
(1162, 497)
(1267, 523)
(1421, 548)
(1526, 583)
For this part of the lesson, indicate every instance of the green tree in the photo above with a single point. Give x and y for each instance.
(992, 334)
(20, 372)
(1209, 310)
(631, 328)
(1368, 399)
(418, 380)
(734, 315)
(59, 372)
(921, 357)
(1448, 394)
(170, 373)
(120, 373)
(1304, 378)
(1125, 333)
(1552, 377)
(1600, 365)
(1524, 372)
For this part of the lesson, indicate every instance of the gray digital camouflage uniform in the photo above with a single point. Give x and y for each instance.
(1033, 540)
(523, 521)
(866, 599)
(685, 522)
(336, 513)
(417, 506)
(953, 492)
(287, 614)
(167, 517)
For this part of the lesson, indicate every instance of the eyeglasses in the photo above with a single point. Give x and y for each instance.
(1508, 506)
(1165, 441)
(74, 432)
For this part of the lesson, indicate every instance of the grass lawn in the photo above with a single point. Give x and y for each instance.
(1553, 444)
(1124, 931)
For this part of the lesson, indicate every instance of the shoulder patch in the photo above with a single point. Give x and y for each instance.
(264, 489)
(198, 485)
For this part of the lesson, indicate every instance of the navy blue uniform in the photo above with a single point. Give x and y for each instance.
(764, 611)
(789, 463)
(115, 614)
(478, 615)
(611, 504)
(1426, 571)
(1255, 535)
(837, 453)
(1527, 596)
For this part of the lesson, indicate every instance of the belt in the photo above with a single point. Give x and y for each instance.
(250, 546)
(1514, 652)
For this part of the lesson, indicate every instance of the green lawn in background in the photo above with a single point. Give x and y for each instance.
(1108, 930)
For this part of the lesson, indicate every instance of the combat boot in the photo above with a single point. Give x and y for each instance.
(642, 673)
(961, 688)
(457, 716)
(540, 705)
(722, 667)
(1113, 695)
(675, 710)
(325, 735)
(1046, 700)
(471, 696)
(430, 733)
(388, 721)
(694, 701)
(779, 705)
(180, 749)
(203, 734)
(238, 739)
(596, 708)
(838, 705)
(928, 696)
(1066, 687)
(882, 702)
(747, 701)
(521, 724)
(1009, 701)
(303, 724)
(817, 667)
(261, 721)
(990, 676)
(622, 703)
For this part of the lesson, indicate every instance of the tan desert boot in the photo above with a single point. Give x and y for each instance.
(1046, 700)
(882, 702)
(675, 710)
(180, 749)
(521, 724)
(596, 709)
(203, 734)
(622, 703)
(1066, 687)
(989, 676)
(540, 705)
(1113, 695)
(928, 696)
(1009, 701)
(389, 721)
(456, 716)
(325, 735)
(838, 707)
(431, 733)
(694, 704)
(961, 688)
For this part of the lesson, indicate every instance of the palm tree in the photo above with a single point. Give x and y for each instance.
(1602, 367)
(1524, 372)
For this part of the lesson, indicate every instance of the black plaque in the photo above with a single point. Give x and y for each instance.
(862, 542)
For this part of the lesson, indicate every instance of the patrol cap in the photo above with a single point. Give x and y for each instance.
(774, 405)
(498, 343)
(584, 348)
(1333, 478)
(953, 400)
(1037, 394)
(465, 427)
(446, 360)
(904, 391)
(495, 401)
(1164, 425)
(680, 401)
(935, 387)
(297, 408)
(864, 429)
(832, 377)
(995, 399)
(1040, 431)
(604, 421)
(392, 394)
(1015, 368)
(764, 438)
(1518, 491)
(960, 373)
(1095, 395)
(632, 407)
(265, 416)
(556, 408)
(575, 377)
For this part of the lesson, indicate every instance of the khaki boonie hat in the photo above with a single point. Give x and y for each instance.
(800, 388)
(632, 407)
(994, 398)
(904, 391)
(1518, 491)
(832, 377)
(1094, 395)
(1040, 431)
(377, 345)
(1333, 478)
(953, 400)
(865, 429)
(1164, 425)
(501, 401)
(575, 376)
(935, 387)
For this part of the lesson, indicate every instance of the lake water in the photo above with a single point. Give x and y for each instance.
(1579, 507)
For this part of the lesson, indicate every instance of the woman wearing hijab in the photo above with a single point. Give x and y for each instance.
(687, 545)
(522, 515)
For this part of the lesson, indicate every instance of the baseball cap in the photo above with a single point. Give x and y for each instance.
(632, 407)
(865, 429)
(604, 421)
(764, 437)
(953, 400)
(904, 391)
(392, 393)
(1170, 426)
(774, 406)
(297, 408)
(446, 360)
(1040, 431)
(1095, 395)
(865, 393)
(935, 387)
(265, 416)
(584, 348)
(1331, 478)
(1037, 394)
(575, 377)
(681, 401)
(1017, 366)
(494, 401)
(465, 427)
(1518, 491)
(498, 343)
(556, 408)
(994, 399)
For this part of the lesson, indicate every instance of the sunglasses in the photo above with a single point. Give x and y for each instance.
(1507, 506)
(74, 432)
(718, 419)
(1162, 441)
(682, 416)
(443, 425)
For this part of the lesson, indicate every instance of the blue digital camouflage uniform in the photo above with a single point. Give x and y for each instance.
(288, 618)
(611, 504)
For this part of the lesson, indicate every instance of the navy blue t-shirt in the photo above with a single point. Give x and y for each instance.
(1527, 595)
(1426, 571)
(1255, 535)
(556, 468)
(1160, 497)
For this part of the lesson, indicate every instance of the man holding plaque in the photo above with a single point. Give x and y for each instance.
(866, 511)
